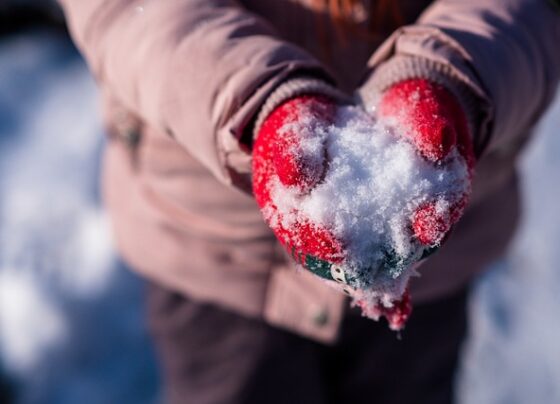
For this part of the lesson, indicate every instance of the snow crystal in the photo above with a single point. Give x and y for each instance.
(373, 183)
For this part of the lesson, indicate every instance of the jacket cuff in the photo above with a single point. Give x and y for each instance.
(295, 87)
(401, 67)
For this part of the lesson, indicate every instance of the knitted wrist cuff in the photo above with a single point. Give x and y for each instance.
(401, 68)
(296, 87)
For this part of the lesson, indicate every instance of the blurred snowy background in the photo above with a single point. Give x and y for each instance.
(513, 354)
(71, 324)
(71, 314)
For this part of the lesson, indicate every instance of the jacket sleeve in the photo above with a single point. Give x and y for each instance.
(198, 70)
(502, 58)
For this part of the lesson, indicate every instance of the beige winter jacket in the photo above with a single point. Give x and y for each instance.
(183, 81)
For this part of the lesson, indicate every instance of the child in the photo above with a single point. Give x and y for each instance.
(190, 86)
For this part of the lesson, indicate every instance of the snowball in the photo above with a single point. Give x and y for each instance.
(373, 183)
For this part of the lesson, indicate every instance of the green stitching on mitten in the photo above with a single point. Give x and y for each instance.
(318, 267)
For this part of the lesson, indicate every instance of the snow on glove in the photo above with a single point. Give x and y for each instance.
(360, 201)
(429, 117)
(290, 156)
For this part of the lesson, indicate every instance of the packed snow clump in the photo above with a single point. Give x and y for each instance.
(373, 183)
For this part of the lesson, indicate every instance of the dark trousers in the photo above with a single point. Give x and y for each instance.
(210, 355)
(5, 391)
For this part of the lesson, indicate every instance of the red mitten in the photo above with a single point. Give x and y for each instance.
(433, 120)
(278, 153)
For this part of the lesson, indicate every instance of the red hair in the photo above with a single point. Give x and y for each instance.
(386, 16)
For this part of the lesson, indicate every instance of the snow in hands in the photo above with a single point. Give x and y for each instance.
(367, 204)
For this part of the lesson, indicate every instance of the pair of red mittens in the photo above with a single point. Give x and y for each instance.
(430, 118)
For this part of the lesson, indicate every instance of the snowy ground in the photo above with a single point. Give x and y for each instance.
(71, 327)
(513, 356)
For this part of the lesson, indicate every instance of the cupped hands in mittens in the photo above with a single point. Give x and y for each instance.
(359, 200)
